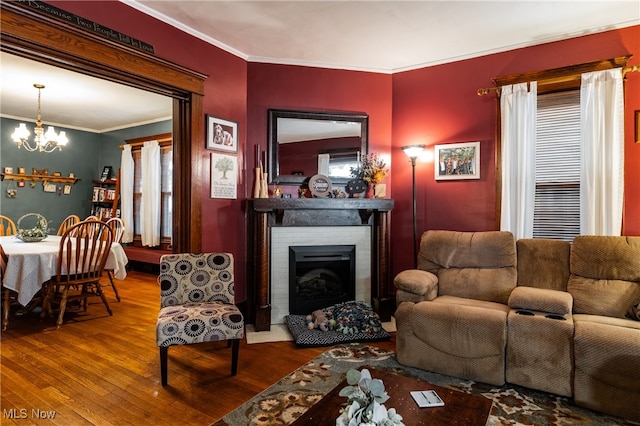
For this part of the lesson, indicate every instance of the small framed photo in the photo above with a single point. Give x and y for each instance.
(49, 187)
(106, 173)
(8, 170)
(67, 189)
(222, 135)
(455, 161)
(22, 171)
(21, 184)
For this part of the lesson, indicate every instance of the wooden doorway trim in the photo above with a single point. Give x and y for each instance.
(31, 35)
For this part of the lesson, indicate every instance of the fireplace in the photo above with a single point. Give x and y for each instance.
(320, 276)
(279, 223)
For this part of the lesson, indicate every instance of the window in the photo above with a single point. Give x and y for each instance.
(557, 194)
(558, 184)
(166, 201)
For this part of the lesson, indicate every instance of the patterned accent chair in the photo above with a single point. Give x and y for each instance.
(197, 304)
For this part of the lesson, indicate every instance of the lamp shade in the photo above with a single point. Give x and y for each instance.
(413, 151)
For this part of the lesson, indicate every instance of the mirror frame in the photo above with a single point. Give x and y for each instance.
(272, 152)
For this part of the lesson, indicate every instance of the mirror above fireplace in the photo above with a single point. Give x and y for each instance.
(306, 143)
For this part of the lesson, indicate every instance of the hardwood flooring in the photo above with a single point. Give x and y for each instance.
(104, 370)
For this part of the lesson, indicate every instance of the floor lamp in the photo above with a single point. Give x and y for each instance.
(413, 151)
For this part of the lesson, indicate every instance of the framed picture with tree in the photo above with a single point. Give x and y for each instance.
(224, 176)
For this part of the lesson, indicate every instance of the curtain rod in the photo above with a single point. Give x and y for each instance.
(487, 90)
(161, 141)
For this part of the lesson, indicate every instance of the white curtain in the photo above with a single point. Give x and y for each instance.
(150, 205)
(126, 192)
(602, 140)
(518, 109)
(323, 164)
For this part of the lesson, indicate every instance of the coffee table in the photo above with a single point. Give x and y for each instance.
(459, 408)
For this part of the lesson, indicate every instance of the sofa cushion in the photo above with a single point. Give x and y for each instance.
(450, 335)
(605, 274)
(607, 365)
(478, 265)
(543, 263)
(543, 300)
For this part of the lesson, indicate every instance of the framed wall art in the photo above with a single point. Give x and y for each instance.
(222, 135)
(457, 161)
(224, 176)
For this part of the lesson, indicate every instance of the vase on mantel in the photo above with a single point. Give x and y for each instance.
(371, 191)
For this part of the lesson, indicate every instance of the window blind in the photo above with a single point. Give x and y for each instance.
(557, 198)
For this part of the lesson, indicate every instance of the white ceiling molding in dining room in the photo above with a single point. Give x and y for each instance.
(73, 100)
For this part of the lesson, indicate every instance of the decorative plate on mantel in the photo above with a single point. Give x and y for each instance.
(320, 186)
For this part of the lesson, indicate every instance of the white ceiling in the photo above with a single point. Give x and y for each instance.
(379, 36)
(385, 36)
(74, 100)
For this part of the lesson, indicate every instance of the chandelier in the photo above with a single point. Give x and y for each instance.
(42, 142)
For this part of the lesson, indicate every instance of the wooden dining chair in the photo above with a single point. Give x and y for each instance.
(69, 221)
(117, 229)
(197, 304)
(83, 253)
(7, 226)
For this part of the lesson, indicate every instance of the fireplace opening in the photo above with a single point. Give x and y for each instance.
(320, 276)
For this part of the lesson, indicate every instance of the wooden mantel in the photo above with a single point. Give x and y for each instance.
(272, 212)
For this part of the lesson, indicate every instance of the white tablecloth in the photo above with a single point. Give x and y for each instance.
(31, 264)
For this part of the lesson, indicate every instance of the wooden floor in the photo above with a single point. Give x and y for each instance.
(104, 370)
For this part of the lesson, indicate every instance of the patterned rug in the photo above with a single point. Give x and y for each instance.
(282, 403)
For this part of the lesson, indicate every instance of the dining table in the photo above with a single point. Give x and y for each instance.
(30, 264)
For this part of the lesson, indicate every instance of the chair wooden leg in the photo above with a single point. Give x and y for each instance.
(6, 307)
(63, 306)
(113, 285)
(164, 352)
(103, 297)
(47, 292)
(234, 356)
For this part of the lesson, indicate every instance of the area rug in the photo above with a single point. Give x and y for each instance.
(282, 403)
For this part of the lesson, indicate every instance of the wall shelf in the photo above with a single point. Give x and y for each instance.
(39, 178)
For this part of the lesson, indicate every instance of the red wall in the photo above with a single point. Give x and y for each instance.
(431, 105)
(317, 89)
(438, 105)
(225, 89)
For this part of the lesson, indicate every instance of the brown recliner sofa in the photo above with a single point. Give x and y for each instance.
(539, 313)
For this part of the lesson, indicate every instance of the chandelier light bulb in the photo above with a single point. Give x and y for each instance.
(62, 139)
(42, 142)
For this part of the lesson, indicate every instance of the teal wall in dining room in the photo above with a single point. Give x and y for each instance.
(85, 156)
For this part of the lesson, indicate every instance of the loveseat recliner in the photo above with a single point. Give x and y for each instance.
(540, 313)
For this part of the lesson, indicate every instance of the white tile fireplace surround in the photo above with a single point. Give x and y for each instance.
(284, 237)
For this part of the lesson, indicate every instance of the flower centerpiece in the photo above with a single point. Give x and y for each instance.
(372, 169)
(36, 229)
(365, 406)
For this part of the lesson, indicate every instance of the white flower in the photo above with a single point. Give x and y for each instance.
(366, 402)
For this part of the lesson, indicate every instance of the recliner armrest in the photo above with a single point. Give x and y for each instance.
(542, 300)
(418, 282)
